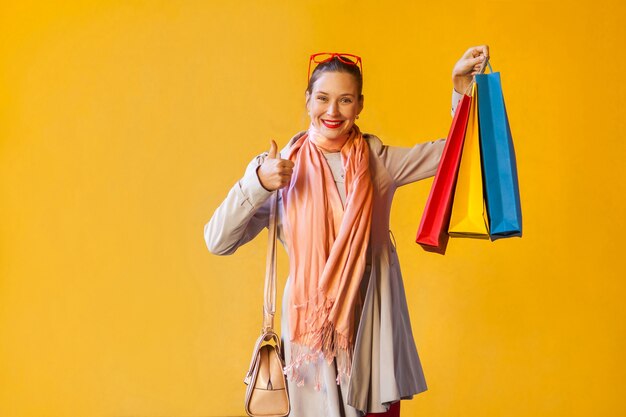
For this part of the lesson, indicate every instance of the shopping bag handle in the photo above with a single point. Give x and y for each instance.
(486, 64)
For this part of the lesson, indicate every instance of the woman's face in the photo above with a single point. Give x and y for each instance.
(334, 104)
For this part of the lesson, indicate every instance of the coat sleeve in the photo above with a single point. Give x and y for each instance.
(241, 216)
(407, 165)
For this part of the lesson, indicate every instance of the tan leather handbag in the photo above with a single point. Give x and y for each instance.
(267, 395)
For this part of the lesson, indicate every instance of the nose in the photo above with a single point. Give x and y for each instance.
(332, 109)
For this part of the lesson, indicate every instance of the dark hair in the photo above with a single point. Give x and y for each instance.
(335, 65)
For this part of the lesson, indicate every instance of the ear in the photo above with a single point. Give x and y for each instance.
(361, 100)
(307, 97)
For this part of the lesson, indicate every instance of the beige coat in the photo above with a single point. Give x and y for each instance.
(386, 366)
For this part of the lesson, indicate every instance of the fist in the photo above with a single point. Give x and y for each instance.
(468, 66)
(274, 172)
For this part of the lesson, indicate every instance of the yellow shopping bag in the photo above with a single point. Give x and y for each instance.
(469, 216)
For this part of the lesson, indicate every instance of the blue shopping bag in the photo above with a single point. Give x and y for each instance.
(498, 159)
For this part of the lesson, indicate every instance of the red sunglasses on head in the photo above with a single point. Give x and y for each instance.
(322, 57)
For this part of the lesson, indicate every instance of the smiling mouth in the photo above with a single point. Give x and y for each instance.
(332, 124)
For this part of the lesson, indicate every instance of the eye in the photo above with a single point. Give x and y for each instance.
(346, 100)
(322, 98)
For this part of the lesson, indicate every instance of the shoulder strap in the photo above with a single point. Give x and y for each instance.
(269, 305)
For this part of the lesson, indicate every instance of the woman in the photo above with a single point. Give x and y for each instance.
(348, 343)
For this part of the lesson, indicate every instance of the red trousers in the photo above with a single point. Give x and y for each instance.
(394, 411)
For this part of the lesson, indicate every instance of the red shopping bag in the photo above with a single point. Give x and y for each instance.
(432, 233)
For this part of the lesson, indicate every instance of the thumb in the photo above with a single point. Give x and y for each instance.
(273, 150)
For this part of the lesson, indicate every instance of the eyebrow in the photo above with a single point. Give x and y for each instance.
(346, 94)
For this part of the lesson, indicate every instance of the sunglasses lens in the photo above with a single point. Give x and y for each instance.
(347, 59)
(318, 59)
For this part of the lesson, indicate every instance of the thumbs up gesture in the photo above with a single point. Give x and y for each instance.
(274, 172)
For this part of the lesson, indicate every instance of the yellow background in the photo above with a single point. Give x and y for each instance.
(123, 124)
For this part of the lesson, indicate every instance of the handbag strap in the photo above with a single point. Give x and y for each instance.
(269, 305)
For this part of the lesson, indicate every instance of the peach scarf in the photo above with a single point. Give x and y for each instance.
(327, 248)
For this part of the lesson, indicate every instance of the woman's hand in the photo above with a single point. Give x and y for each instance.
(468, 66)
(274, 173)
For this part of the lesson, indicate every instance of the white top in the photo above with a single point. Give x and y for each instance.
(334, 162)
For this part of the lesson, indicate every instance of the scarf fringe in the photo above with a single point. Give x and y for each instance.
(328, 345)
(324, 343)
